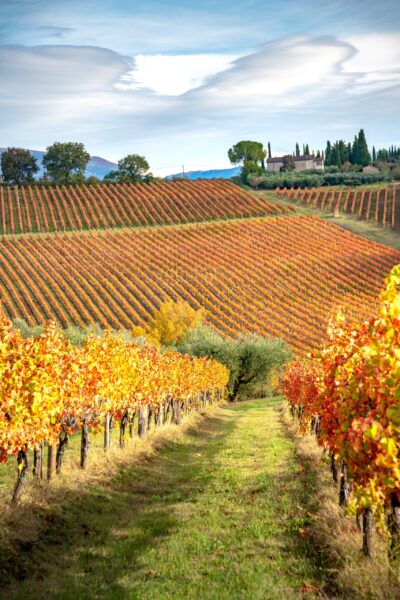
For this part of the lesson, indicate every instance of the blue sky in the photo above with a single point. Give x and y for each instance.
(180, 82)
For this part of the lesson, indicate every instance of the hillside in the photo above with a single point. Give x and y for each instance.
(282, 276)
(379, 204)
(60, 208)
(209, 174)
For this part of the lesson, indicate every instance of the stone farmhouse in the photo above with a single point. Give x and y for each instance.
(302, 163)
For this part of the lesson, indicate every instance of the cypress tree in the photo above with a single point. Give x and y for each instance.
(297, 149)
(373, 153)
(269, 150)
(362, 154)
(354, 151)
(328, 154)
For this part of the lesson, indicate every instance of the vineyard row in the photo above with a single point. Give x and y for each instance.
(281, 276)
(50, 389)
(348, 395)
(380, 205)
(59, 208)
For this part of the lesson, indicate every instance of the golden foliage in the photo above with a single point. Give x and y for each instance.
(172, 321)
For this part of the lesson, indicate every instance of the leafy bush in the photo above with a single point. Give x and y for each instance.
(303, 179)
(252, 360)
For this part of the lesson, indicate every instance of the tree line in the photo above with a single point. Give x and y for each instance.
(343, 164)
(66, 163)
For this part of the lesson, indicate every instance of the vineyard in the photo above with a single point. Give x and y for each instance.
(59, 208)
(378, 204)
(348, 395)
(50, 389)
(279, 276)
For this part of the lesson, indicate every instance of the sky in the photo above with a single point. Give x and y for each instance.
(180, 82)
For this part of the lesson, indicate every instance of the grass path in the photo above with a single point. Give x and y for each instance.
(220, 513)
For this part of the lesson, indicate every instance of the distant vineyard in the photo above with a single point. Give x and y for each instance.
(61, 208)
(280, 276)
(380, 205)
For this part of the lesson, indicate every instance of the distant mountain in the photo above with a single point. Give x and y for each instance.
(99, 167)
(212, 174)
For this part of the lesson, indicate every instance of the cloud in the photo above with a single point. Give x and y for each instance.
(173, 75)
(376, 61)
(193, 106)
(52, 31)
(284, 74)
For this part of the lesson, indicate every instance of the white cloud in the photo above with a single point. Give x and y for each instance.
(173, 75)
(186, 108)
(376, 62)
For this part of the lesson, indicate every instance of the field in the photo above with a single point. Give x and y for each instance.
(379, 203)
(281, 276)
(61, 208)
(230, 504)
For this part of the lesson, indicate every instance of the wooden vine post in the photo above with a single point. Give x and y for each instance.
(369, 204)
(38, 462)
(107, 432)
(367, 531)
(51, 461)
(393, 207)
(378, 197)
(142, 422)
(23, 468)
(85, 445)
(385, 203)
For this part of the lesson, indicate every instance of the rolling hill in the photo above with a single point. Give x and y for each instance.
(60, 208)
(281, 275)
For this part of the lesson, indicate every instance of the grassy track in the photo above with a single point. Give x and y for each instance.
(220, 513)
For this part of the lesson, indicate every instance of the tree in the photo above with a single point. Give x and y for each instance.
(373, 154)
(250, 169)
(170, 323)
(18, 166)
(133, 167)
(288, 163)
(328, 154)
(360, 152)
(269, 150)
(247, 150)
(297, 152)
(251, 359)
(62, 160)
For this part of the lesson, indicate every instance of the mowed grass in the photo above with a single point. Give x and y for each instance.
(221, 512)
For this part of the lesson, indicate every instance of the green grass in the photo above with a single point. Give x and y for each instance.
(219, 513)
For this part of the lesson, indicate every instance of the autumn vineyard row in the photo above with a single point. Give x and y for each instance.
(279, 276)
(378, 204)
(348, 394)
(50, 389)
(61, 208)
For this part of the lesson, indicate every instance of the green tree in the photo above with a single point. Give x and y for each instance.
(288, 163)
(360, 152)
(328, 154)
(297, 151)
(134, 167)
(250, 169)
(373, 154)
(63, 160)
(251, 359)
(245, 151)
(269, 150)
(18, 166)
